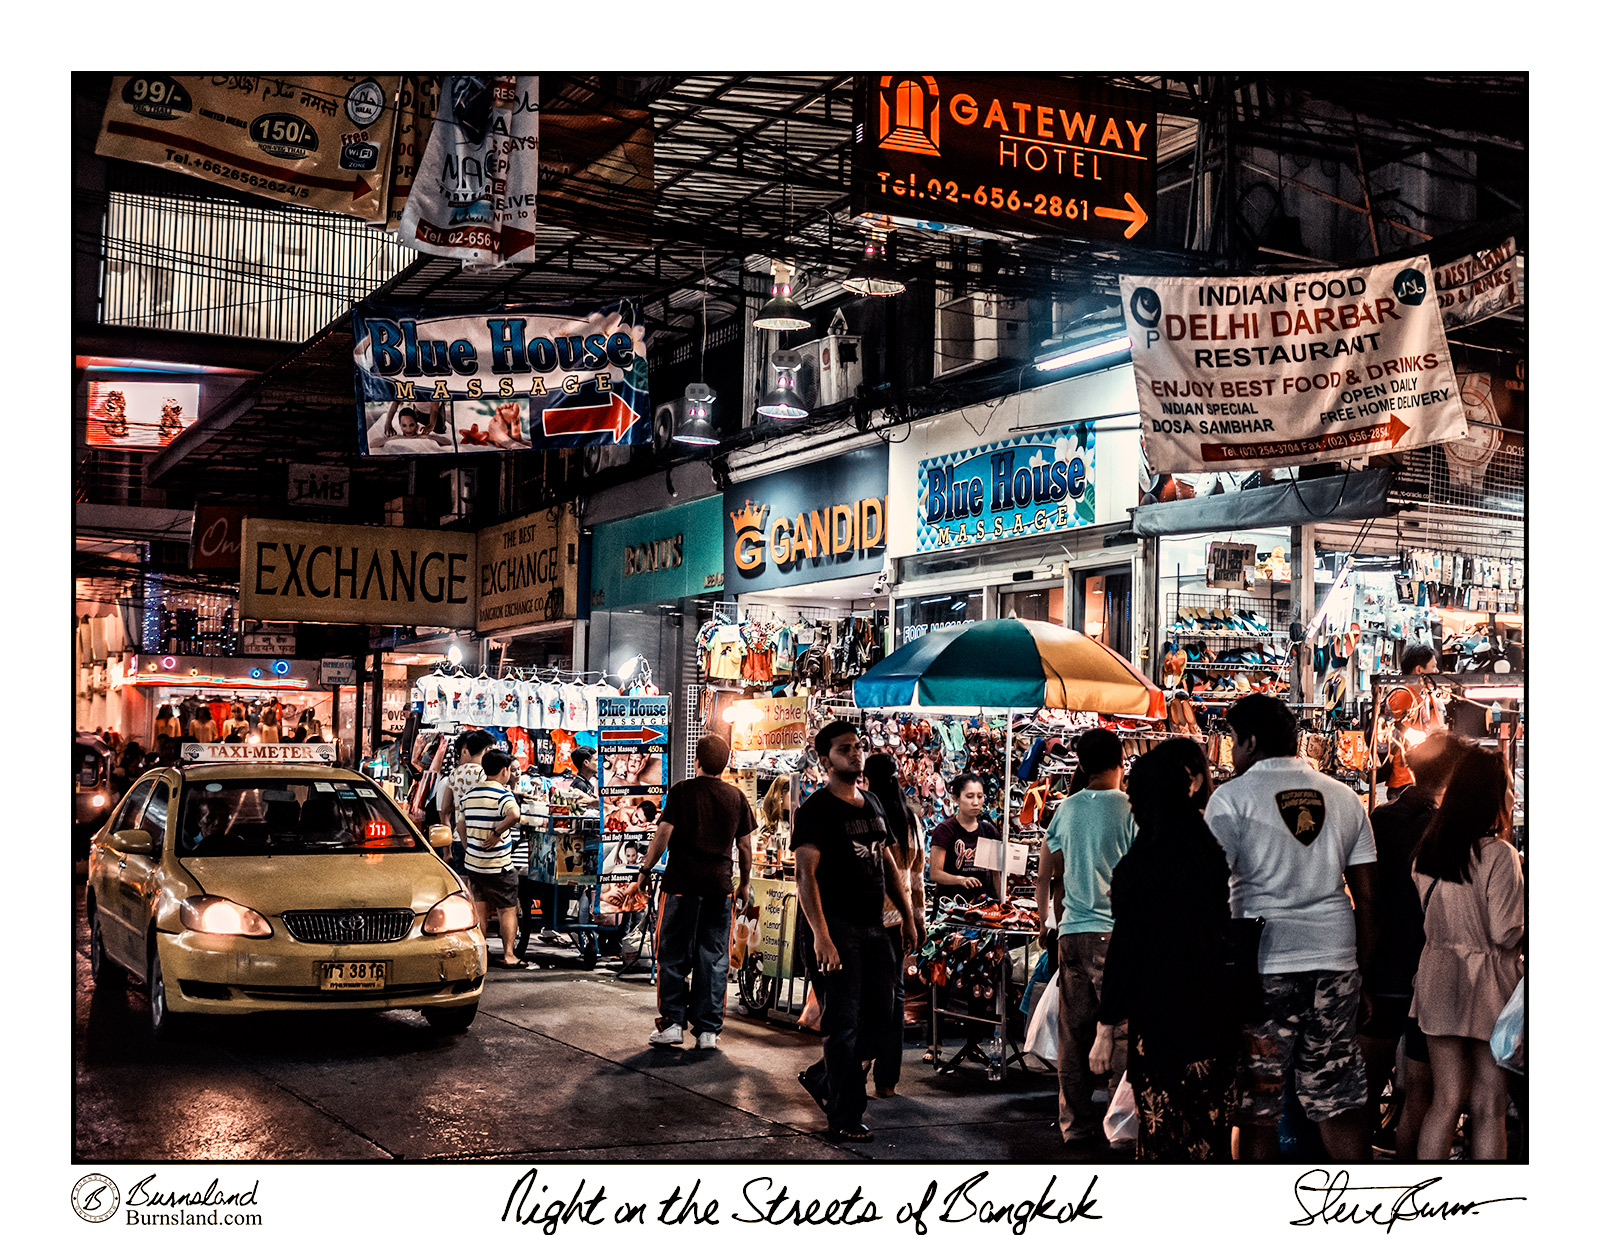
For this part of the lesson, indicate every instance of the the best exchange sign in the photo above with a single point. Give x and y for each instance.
(1235, 373)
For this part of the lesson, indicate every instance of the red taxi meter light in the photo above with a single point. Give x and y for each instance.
(379, 829)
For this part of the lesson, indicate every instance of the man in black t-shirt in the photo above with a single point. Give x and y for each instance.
(843, 866)
(701, 822)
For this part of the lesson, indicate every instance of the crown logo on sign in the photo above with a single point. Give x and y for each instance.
(752, 517)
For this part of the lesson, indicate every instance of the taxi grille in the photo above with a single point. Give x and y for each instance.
(349, 925)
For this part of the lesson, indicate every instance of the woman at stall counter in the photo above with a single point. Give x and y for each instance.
(953, 847)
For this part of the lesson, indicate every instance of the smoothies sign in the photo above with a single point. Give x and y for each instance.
(1237, 373)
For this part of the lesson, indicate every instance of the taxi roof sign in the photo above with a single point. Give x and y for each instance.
(257, 752)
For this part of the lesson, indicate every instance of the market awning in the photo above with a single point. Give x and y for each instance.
(1351, 495)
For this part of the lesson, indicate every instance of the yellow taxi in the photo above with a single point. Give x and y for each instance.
(256, 879)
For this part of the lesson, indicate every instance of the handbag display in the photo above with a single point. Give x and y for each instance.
(1241, 965)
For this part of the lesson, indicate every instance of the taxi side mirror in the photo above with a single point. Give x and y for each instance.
(440, 836)
(134, 841)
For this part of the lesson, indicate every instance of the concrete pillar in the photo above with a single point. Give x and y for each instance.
(1302, 605)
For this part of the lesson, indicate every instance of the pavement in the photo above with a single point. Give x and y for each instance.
(555, 1067)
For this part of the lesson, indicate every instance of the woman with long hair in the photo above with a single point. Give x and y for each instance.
(1165, 966)
(953, 847)
(1473, 917)
(905, 842)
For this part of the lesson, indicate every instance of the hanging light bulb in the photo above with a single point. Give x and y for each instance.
(781, 312)
(874, 274)
(783, 401)
(697, 428)
(454, 654)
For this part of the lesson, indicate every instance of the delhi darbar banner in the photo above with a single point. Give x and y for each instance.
(522, 377)
(322, 142)
(1237, 373)
(474, 193)
(1479, 285)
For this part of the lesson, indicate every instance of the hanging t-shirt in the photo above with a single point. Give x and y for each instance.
(507, 708)
(429, 691)
(550, 709)
(783, 652)
(564, 743)
(727, 651)
(454, 708)
(574, 706)
(219, 712)
(520, 744)
(1289, 833)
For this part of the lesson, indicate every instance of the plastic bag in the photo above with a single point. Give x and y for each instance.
(1122, 1116)
(1508, 1042)
(1040, 1040)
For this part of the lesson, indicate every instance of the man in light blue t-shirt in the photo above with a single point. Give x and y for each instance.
(1091, 831)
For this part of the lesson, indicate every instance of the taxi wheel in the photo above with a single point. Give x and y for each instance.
(450, 1020)
(165, 1024)
(101, 968)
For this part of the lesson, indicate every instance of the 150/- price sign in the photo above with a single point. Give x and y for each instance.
(1030, 154)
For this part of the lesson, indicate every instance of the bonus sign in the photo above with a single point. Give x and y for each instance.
(1030, 154)
(1237, 373)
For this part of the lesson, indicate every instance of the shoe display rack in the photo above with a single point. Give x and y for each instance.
(1225, 636)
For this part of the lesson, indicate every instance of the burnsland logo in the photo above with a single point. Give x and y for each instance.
(828, 531)
(908, 113)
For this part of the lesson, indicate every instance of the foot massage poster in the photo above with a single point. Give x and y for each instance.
(635, 735)
(524, 377)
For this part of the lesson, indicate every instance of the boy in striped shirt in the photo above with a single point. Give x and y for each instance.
(489, 810)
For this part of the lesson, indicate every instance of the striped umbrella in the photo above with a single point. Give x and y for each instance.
(1010, 663)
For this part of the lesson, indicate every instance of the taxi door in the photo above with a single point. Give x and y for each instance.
(136, 873)
(106, 866)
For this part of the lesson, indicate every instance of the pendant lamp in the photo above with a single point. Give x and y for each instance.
(781, 312)
(874, 274)
(697, 428)
(783, 401)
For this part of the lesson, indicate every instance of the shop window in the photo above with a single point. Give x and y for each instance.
(1102, 607)
(1035, 605)
(915, 616)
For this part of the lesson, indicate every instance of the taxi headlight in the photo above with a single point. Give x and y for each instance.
(216, 915)
(453, 913)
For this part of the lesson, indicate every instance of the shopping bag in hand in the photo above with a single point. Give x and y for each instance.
(1122, 1116)
(1040, 1040)
(1508, 1042)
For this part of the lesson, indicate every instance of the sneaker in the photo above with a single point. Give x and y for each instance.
(672, 1035)
(706, 1042)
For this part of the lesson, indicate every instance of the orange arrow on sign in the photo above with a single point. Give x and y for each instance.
(1136, 217)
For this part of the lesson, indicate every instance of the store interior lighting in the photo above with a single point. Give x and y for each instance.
(697, 428)
(1084, 355)
(454, 654)
(783, 401)
(781, 312)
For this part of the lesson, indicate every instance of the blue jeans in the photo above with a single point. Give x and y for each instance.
(692, 939)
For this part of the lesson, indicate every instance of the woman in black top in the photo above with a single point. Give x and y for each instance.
(953, 847)
(1164, 970)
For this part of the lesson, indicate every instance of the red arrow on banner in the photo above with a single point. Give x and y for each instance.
(357, 188)
(1390, 432)
(613, 416)
(641, 735)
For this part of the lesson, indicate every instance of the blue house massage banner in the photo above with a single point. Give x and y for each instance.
(1238, 373)
(525, 377)
(1039, 482)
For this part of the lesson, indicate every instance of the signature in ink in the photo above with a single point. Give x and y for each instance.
(1332, 1198)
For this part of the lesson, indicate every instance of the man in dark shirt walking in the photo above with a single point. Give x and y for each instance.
(843, 867)
(704, 817)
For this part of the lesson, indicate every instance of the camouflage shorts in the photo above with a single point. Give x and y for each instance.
(1310, 1026)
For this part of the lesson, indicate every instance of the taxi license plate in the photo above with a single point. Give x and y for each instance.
(354, 975)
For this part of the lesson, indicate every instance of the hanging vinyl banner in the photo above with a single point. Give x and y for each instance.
(473, 194)
(523, 377)
(1243, 373)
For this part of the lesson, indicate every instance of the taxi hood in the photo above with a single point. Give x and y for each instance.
(270, 885)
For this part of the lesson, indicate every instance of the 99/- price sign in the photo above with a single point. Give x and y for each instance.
(1023, 153)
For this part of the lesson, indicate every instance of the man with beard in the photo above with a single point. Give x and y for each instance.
(844, 868)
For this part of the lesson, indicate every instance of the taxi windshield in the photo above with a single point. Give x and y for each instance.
(289, 816)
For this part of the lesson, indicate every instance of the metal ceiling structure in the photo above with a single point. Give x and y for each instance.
(748, 167)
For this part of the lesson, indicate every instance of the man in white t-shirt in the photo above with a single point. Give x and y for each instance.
(1295, 840)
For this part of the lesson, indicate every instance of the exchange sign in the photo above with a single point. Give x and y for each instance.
(1027, 153)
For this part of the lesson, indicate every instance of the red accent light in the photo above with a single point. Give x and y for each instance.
(379, 829)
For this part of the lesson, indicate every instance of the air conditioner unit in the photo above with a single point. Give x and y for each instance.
(830, 370)
(973, 330)
(666, 417)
